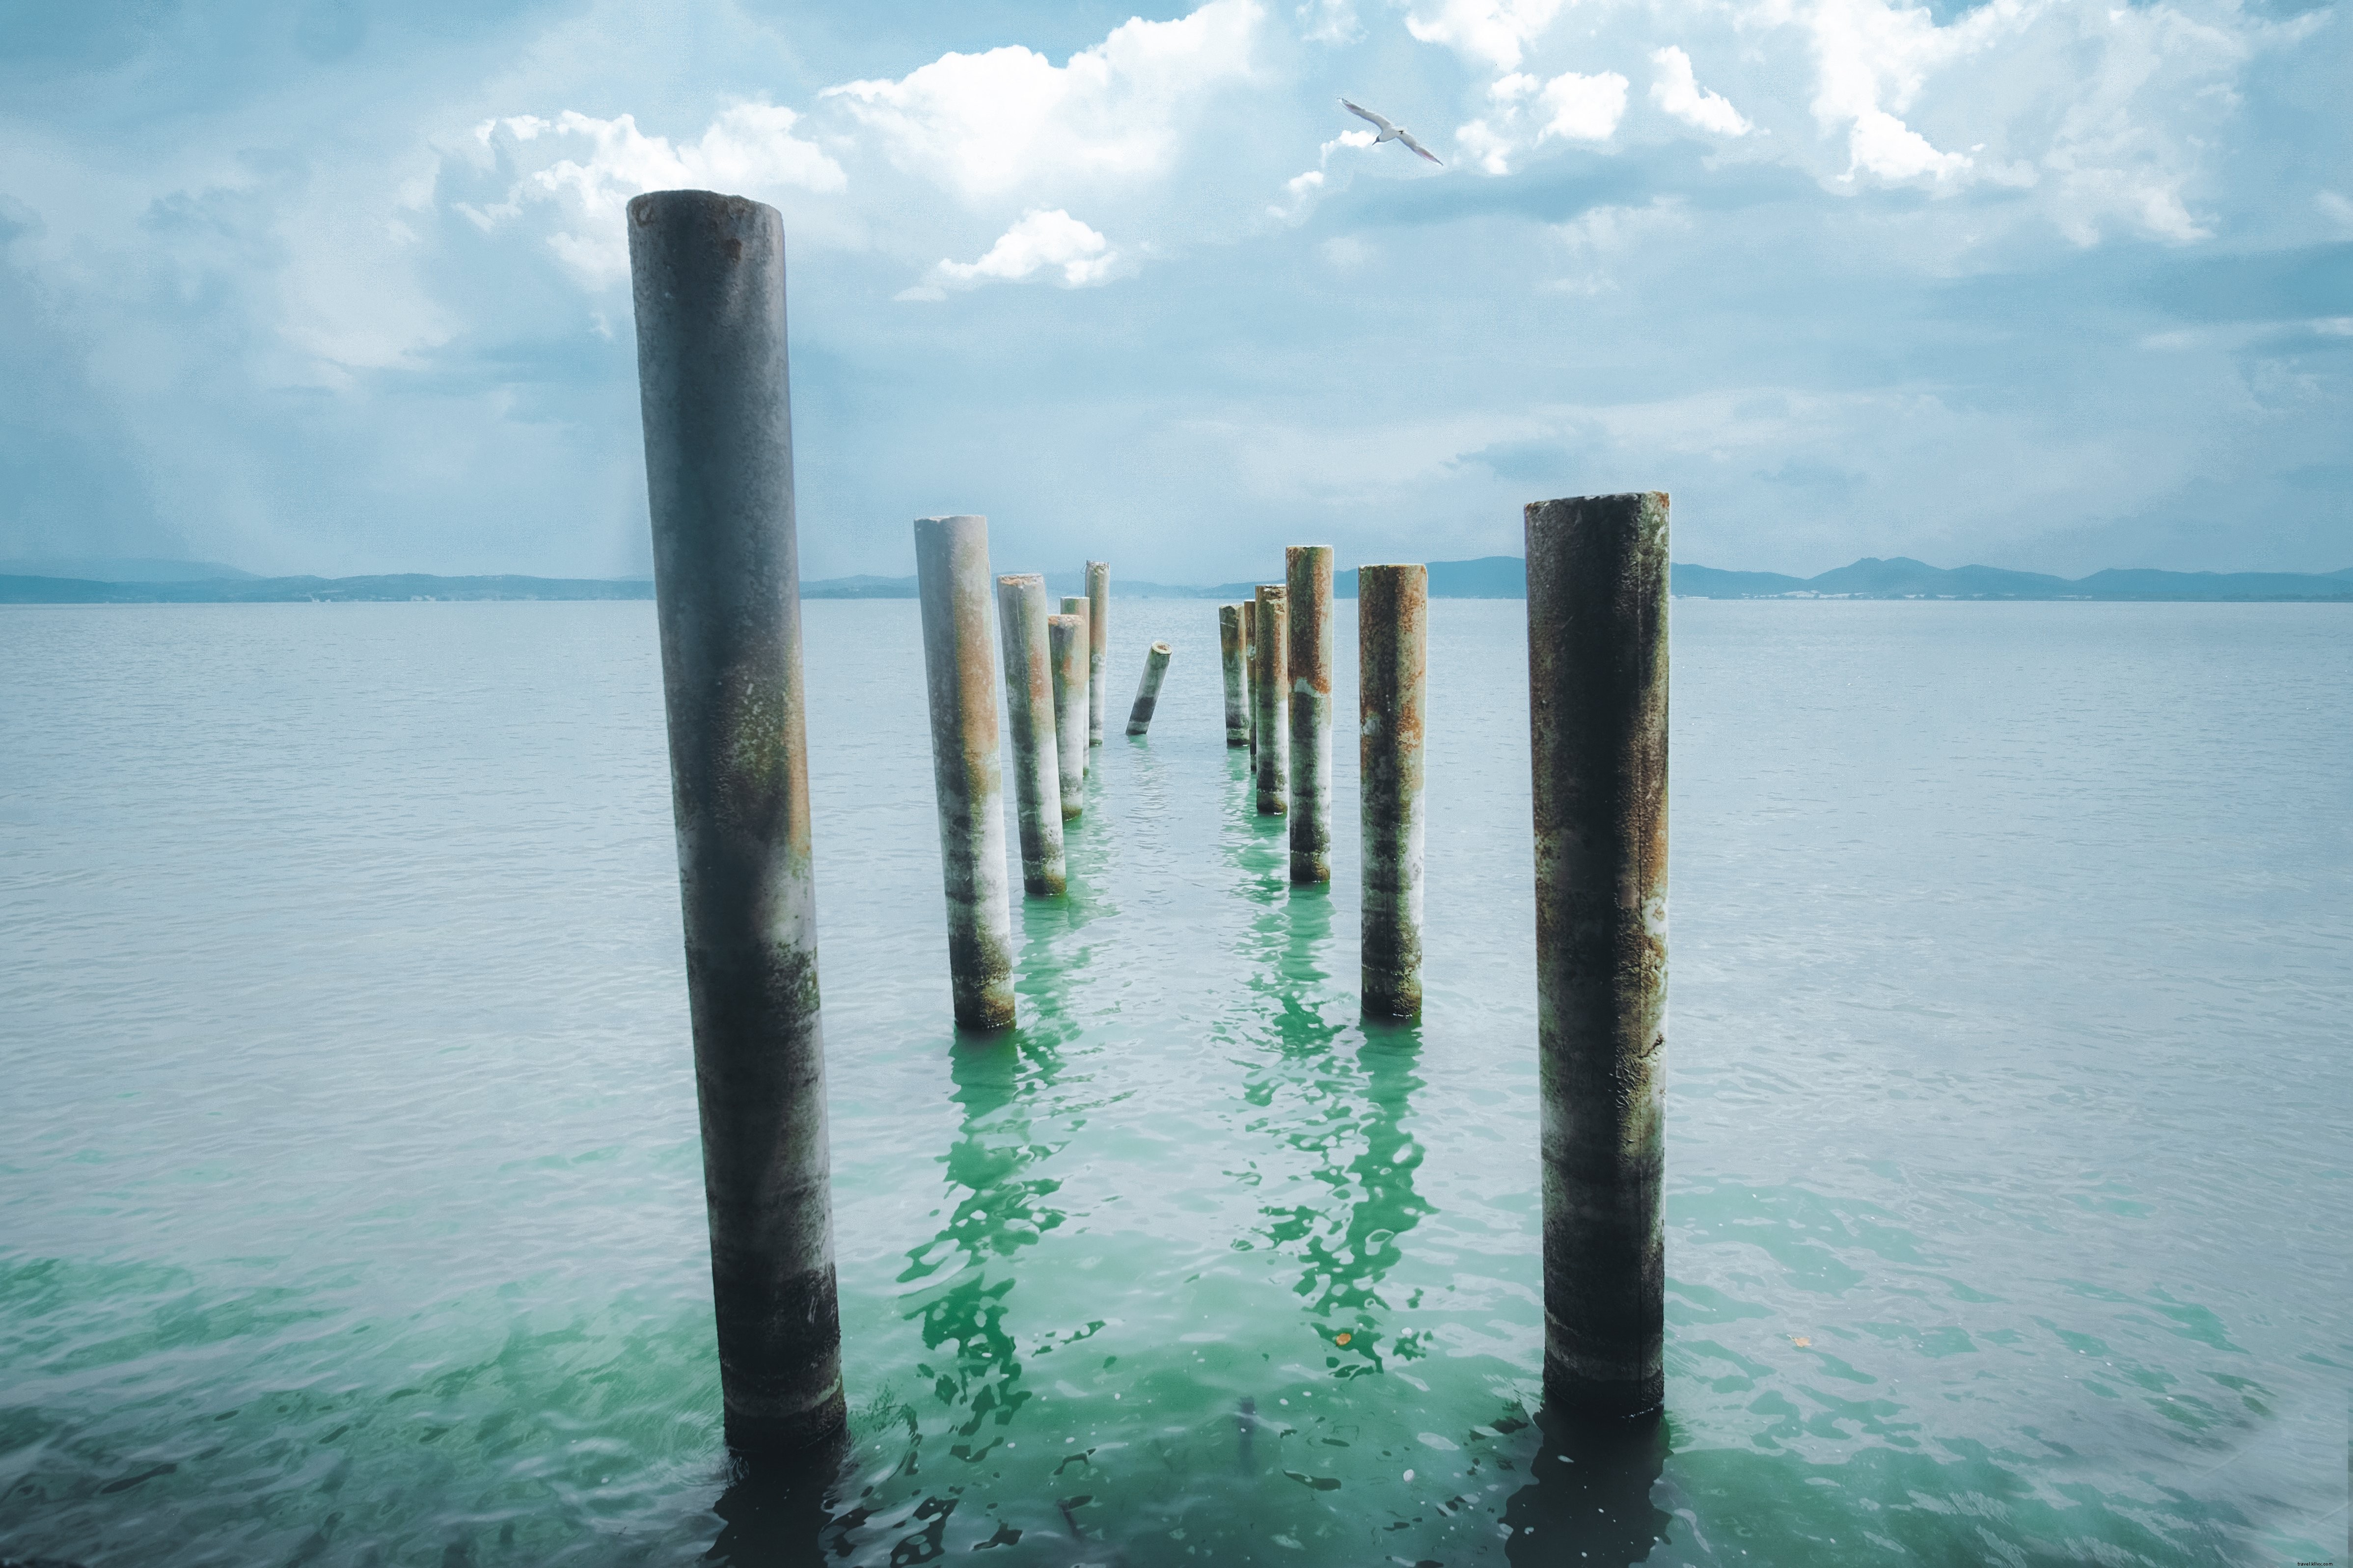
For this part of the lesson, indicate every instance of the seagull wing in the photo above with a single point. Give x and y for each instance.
(1407, 137)
(1362, 113)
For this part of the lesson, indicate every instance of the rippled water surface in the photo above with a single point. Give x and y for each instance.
(350, 1201)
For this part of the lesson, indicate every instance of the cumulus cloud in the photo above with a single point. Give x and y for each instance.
(983, 126)
(1528, 110)
(1487, 32)
(1040, 241)
(1678, 92)
(749, 149)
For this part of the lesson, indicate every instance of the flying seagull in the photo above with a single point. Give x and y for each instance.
(1389, 132)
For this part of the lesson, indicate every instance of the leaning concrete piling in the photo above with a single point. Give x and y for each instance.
(1598, 728)
(1272, 758)
(707, 275)
(1029, 709)
(1229, 659)
(1392, 663)
(1249, 675)
(1067, 648)
(1147, 694)
(1098, 639)
(951, 580)
(1308, 594)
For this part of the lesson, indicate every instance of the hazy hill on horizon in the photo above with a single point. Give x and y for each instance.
(146, 580)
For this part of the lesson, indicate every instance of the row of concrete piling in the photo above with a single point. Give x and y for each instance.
(708, 274)
(1277, 654)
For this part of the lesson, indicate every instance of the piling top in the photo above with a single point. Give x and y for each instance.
(1021, 579)
(1160, 647)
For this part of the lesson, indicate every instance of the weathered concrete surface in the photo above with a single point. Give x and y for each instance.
(1308, 597)
(1098, 640)
(707, 275)
(1229, 660)
(1598, 727)
(1249, 675)
(1147, 692)
(1271, 757)
(1080, 606)
(960, 669)
(1392, 701)
(1029, 709)
(1067, 651)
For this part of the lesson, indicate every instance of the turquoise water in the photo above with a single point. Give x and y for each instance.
(350, 1202)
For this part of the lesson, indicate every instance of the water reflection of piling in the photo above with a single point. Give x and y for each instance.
(1598, 724)
(1308, 679)
(960, 669)
(1229, 660)
(1029, 709)
(999, 1208)
(1066, 637)
(1147, 694)
(1271, 661)
(708, 280)
(1588, 1497)
(1098, 642)
(1392, 661)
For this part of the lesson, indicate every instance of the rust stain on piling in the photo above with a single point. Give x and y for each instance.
(1308, 671)
(1392, 642)
(1270, 756)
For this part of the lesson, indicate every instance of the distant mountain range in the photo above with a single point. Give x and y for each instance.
(1489, 577)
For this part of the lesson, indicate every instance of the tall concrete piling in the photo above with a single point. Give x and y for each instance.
(1229, 659)
(1148, 693)
(1029, 708)
(707, 275)
(951, 580)
(1598, 728)
(1098, 639)
(1271, 759)
(1079, 605)
(1250, 676)
(1308, 595)
(1392, 698)
(1067, 651)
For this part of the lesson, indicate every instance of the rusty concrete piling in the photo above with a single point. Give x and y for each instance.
(1250, 676)
(1229, 659)
(1392, 664)
(1272, 657)
(1598, 727)
(707, 274)
(1098, 639)
(960, 669)
(1029, 710)
(1148, 693)
(1079, 605)
(1067, 652)
(1308, 679)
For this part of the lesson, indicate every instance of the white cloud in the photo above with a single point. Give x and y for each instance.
(1583, 108)
(1011, 120)
(1040, 241)
(1488, 32)
(748, 150)
(1678, 91)
(1330, 22)
(1528, 111)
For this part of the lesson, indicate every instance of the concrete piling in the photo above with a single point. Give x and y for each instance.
(1272, 659)
(1249, 675)
(1229, 659)
(1029, 709)
(1067, 649)
(1098, 639)
(1079, 605)
(707, 275)
(951, 580)
(1308, 680)
(1598, 727)
(1147, 694)
(1392, 662)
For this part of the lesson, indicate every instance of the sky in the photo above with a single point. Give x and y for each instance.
(341, 286)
